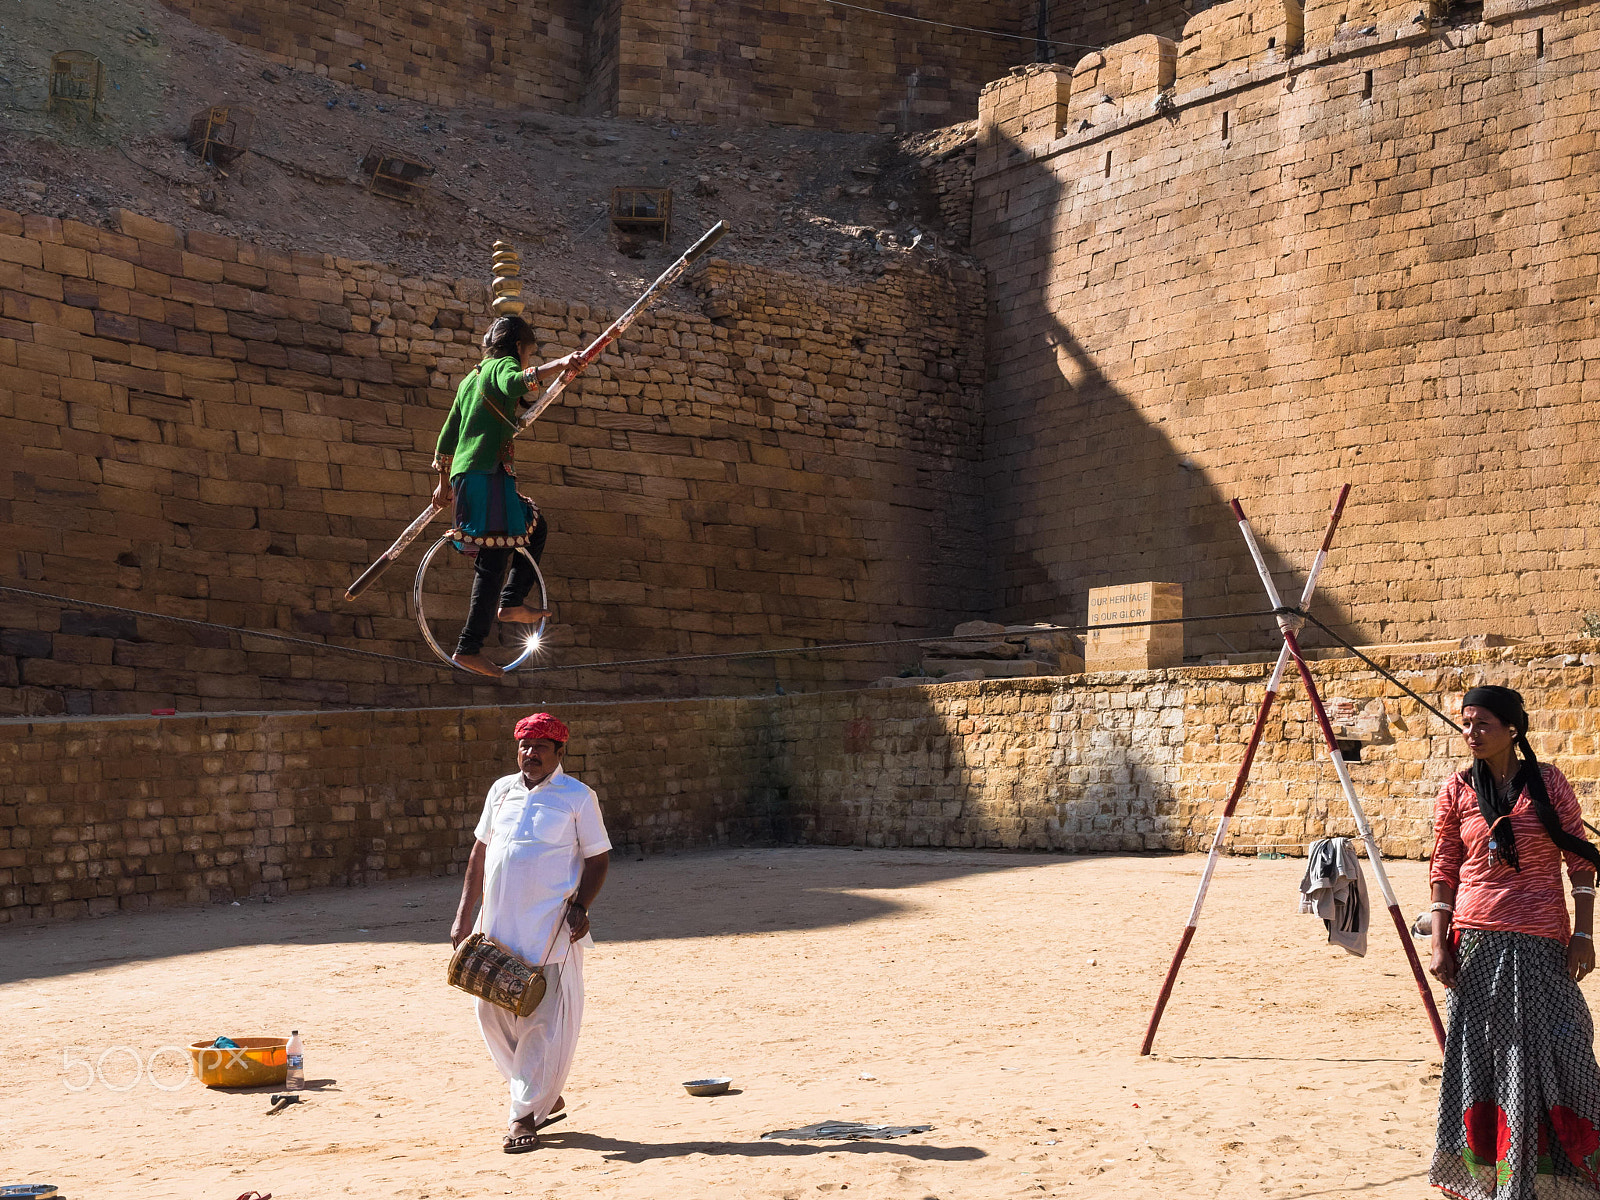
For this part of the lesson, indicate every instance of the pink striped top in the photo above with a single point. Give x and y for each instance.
(1490, 895)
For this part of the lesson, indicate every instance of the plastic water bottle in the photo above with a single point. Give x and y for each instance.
(296, 1079)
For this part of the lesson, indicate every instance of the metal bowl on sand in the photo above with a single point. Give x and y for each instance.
(707, 1087)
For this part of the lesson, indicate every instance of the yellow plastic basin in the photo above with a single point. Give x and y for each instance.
(257, 1062)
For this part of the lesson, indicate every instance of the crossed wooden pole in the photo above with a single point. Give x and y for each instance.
(1289, 625)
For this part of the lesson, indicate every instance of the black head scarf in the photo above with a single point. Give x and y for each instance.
(1507, 705)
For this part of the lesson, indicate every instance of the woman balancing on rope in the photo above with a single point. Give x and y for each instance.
(474, 461)
(1519, 1103)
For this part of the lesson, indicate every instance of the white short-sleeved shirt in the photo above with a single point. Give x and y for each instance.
(537, 839)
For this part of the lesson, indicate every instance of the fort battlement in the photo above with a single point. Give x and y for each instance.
(1289, 251)
(1228, 46)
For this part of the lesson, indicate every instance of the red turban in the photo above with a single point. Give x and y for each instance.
(541, 725)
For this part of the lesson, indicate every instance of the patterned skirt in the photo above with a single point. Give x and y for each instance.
(1519, 1103)
(488, 511)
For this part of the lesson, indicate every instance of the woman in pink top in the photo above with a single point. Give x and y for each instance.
(1519, 1103)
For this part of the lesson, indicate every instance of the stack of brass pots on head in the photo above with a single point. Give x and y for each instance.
(507, 282)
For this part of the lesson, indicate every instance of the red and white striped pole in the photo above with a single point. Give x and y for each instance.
(1289, 626)
(1242, 778)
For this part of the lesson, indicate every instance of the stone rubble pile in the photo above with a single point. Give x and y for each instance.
(991, 651)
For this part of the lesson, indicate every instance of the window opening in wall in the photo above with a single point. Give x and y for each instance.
(1366, 87)
(1538, 43)
(1225, 126)
(1108, 164)
(1350, 751)
(1272, 43)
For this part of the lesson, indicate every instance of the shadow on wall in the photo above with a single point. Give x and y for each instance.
(669, 897)
(1084, 488)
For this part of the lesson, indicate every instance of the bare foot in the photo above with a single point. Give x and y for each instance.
(522, 615)
(561, 1102)
(477, 663)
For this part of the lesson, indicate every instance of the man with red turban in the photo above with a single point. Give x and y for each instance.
(539, 861)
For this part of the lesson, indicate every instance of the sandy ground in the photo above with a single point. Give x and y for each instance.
(999, 997)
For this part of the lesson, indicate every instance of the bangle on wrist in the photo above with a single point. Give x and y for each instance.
(1583, 891)
(1582, 934)
(1441, 906)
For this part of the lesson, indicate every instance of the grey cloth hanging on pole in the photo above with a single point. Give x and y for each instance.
(1335, 890)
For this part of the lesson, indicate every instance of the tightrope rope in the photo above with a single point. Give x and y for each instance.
(335, 648)
(965, 637)
(193, 623)
(995, 33)
(1389, 675)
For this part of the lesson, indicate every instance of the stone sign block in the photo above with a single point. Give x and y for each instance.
(1138, 648)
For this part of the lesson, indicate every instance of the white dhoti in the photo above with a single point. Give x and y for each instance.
(537, 842)
(534, 1053)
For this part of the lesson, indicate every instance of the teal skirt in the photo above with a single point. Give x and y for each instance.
(488, 511)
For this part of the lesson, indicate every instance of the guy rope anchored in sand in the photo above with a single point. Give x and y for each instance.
(495, 524)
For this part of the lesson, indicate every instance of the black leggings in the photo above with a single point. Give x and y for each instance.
(492, 590)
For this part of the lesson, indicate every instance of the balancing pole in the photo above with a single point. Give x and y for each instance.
(1289, 626)
(1239, 783)
(558, 385)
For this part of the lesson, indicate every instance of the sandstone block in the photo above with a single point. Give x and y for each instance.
(1139, 647)
(978, 629)
(145, 229)
(968, 649)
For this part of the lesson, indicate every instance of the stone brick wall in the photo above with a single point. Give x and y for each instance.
(1372, 261)
(797, 62)
(951, 180)
(1106, 22)
(129, 812)
(509, 53)
(217, 431)
(602, 58)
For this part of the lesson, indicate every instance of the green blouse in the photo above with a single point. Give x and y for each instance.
(477, 434)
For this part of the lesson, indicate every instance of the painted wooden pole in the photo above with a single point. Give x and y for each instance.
(558, 385)
(1240, 780)
(1289, 626)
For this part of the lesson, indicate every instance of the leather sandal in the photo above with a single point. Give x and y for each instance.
(520, 1143)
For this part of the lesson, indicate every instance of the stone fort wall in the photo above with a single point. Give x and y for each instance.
(1298, 247)
(794, 62)
(1095, 24)
(540, 54)
(115, 813)
(799, 62)
(211, 430)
